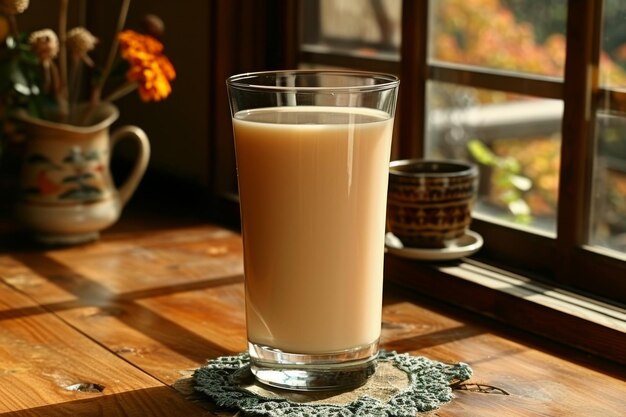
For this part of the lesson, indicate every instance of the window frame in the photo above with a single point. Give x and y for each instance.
(566, 261)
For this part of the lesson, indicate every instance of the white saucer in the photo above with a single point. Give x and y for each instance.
(466, 245)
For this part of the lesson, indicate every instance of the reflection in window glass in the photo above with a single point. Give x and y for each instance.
(513, 35)
(608, 204)
(515, 141)
(613, 55)
(608, 213)
(366, 27)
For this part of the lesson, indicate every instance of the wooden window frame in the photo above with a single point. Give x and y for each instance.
(565, 260)
(535, 266)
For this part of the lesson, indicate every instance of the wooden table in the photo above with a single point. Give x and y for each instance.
(113, 328)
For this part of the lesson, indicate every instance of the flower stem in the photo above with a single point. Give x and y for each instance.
(121, 91)
(97, 91)
(47, 78)
(56, 87)
(74, 80)
(62, 93)
(15, 33)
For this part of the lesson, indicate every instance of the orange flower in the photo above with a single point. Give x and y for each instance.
(134, 42)
(149, 68)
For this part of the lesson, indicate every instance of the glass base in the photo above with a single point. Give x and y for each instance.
(313, 372)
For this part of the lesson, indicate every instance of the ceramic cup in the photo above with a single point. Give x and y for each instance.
(430, 202)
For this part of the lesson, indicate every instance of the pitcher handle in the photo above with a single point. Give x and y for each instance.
(129, 186)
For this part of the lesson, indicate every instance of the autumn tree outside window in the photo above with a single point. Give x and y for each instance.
(531, 92)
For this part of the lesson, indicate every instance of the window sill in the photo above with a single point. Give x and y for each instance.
(561, 316)
(514, 300)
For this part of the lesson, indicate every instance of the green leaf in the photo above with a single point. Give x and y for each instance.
(482, 153)
(510, 164)
(521, 183)
(5, 75)
(519, 208)
(34, 107)
(19, 80)
(11, 43)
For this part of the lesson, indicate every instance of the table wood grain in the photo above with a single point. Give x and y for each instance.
(131, 315)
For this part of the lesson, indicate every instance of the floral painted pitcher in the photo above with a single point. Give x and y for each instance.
(67, 195)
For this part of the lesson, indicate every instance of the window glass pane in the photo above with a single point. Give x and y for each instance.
(613, 55)
(365, 27)
(515, 141)
(513, 35)
(608, 202)
(608, 213)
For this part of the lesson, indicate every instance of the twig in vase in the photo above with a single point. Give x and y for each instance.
(97, 91)
(13, 26)
(62, 91)
(79, 43)
(120, 92)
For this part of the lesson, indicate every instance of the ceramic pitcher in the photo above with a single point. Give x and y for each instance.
(67, 194)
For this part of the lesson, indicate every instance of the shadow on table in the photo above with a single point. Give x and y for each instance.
(155, 402)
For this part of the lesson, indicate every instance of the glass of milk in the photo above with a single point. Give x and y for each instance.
(312, 150)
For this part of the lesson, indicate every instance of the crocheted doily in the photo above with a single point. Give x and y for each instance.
(401, 386)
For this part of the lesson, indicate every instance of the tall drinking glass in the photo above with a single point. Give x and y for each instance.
(312, 150)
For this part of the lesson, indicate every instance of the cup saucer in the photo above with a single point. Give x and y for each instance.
(466, 245)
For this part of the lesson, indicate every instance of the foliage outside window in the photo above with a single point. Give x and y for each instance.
(495, 79)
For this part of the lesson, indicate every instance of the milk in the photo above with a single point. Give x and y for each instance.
(313, 189)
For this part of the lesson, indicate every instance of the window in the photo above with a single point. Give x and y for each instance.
(533, 92)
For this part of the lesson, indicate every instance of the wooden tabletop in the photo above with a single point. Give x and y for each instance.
(114, 328)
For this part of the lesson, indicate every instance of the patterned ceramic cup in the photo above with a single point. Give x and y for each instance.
(430, 202)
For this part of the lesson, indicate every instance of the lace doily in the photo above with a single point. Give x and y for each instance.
(401, 386)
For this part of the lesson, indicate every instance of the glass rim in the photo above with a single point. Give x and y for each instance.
(455, 168)
(243, 81)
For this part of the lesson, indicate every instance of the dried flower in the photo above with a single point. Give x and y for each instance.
(13, 7)
(152, 70)
(45, 45)
(153, 25)
(61, 55)
(133, 43)
(80, 42)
